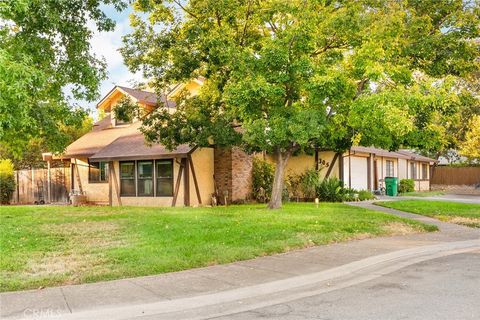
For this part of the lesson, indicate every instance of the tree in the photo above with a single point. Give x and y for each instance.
(44, 49)
(290, 76)
(31, 154)
(470, 148)
(7, 181)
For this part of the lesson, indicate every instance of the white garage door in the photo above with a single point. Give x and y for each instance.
(359, 172)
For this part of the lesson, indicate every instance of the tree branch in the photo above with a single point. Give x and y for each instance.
(184, 9)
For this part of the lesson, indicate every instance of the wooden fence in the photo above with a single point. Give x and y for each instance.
(455, 175)
(32, 185)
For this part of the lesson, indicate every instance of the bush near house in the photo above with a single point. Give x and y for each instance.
(7, 181)
(262, 179)
(406, 185)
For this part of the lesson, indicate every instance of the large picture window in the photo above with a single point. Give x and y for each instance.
(164, 178)
(127, 178)
(98, 172)
(145, 178)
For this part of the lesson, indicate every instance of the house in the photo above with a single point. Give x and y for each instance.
(112, 164)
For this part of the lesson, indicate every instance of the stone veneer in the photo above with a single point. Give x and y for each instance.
(233, 174)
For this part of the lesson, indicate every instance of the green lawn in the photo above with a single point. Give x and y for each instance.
(422, 194)
(459, 213)
(56, 245)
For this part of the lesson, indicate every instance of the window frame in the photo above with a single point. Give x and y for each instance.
(134, 178)
(172, 178)
(425, 170)
(387, 167)
(90, 165)
(413, 171)
(152, 178)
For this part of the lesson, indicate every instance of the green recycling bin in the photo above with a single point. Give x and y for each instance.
(391, 186)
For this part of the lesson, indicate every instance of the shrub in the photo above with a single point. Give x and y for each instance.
(7, 181)
(262, 179)
(292, 182)
(365, 195)
(406, 185)
(309, 182)
(331, 190)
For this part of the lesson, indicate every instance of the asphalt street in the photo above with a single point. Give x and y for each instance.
(443, 288)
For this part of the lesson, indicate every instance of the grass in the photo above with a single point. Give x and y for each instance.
(422, 194)
(58, 245)
(454, 212)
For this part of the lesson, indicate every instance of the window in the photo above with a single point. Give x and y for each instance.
(145, 178)
(424, 171)
(390, 172)
(127, 178)
(164, 178)
(413, 170)
(97, 172)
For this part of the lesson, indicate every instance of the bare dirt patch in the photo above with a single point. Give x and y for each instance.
(399, 229)
(469, 222)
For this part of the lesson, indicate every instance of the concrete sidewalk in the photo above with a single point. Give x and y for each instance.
(462, 198)
(256, 281)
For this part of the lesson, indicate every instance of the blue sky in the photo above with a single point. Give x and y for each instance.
(106, 44)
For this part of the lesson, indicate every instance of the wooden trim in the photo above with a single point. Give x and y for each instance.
(110, 187)
(369, 172)
(349, 169)
(186, 186)
(329, 171)
(78, 177)
(340, 167)
(195, 182)
(115, 184)
(177, 184)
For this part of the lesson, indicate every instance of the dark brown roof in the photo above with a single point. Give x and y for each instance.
(414, 156)
(100, 136)
(146, 97)
(400, 154)
(133, 146)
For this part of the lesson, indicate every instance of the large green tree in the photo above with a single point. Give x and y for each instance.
(44, 52)
(290, 76)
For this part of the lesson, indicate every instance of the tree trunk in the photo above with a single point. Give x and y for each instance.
(278, 181)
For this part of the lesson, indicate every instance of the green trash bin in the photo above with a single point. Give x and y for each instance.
(391, 186)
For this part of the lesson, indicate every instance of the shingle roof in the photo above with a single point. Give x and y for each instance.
(133, 146)
(400, 154)
(100, 136)
(146, 97)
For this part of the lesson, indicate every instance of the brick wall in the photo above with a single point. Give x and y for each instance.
(233, 174)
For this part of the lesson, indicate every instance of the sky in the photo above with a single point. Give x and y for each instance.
(106, 44)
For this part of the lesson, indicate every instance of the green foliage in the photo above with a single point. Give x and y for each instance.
(309, 181)
(298, 74)
(126, 110)
(45, 52)
(262, 179)
(293, 182)
(331, 190)
(406, 185)
(365, 195)
(470, 148)
(31, 154)
(7, 181)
